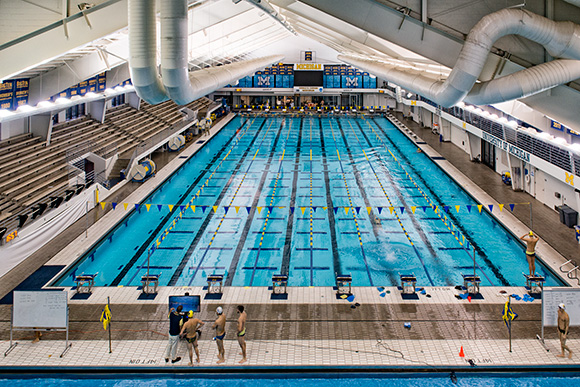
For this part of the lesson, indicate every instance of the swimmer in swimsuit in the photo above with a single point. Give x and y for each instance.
(531, 241)
(191, 332)
(242, 332)
(220, 333)
(563, 326)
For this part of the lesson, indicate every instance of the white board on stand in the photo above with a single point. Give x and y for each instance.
(552, 297)
(40, 309)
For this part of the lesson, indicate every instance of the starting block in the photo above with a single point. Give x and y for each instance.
(535, 283)
(279, 284)
(85, 283)
(343, 284)
(150, 283)
(408, 282)
(471, 283)
(215, 283)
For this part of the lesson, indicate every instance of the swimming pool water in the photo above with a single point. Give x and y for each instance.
(309, 197)
(177, 380)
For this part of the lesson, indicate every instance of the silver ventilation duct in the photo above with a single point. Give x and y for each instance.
(182, 86)
(560, 39)
(266, 7)
(178, 84)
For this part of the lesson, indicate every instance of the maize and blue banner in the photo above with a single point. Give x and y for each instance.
(13, 93)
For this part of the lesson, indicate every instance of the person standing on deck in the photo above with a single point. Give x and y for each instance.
(192, 334)
(563, 327)
(220, 333)
(242, 332)
(175, 319)
(531, 241)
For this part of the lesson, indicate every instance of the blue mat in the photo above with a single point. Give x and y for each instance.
(35, 281)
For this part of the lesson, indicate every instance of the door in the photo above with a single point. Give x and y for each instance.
(488, 154)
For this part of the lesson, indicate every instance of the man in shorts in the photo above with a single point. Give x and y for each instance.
(531, 241)
(192, 333)
(220, 333)
(563, 327)
(242, 332)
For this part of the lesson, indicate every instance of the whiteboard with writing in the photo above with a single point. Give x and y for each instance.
(552, 297)
(38, 309)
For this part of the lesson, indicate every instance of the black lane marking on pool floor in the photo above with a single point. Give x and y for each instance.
(467, 235)
(402, 200)
(329, 203)
(246, 230)
(161, 224)
(285, 266)
(203, 227)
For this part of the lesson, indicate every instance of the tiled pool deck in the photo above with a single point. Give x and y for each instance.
(312, 327)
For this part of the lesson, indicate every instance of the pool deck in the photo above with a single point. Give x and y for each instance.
(312, 328)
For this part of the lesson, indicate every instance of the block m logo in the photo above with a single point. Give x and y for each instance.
(569, 178)
(264, 81)
(352, 82)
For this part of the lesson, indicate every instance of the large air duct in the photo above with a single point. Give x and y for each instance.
(178, 84)
(560, 39)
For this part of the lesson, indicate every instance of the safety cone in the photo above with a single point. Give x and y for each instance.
(461, 353)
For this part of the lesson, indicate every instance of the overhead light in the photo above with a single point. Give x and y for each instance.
(5, 113)
(502, 120)
(478, 111)
(560, 140)
(91, 94)
(62, 100)
(494, 117)
(470, 108)
(409, 95)
(44, 104)
(460, 104)
(109, 91)
(119, 88)
(25, 108)
(513, 124)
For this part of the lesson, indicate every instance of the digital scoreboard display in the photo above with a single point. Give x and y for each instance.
(308, 78)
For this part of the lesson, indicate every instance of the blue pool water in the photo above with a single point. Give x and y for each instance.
(490, 380)
(309, 197)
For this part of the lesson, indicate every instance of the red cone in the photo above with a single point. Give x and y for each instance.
(461, 353)
(469, 298)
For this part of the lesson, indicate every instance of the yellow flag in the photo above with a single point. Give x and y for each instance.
(302, 209)
(260, 210)
(479, 207)
(192, 208)
(237, 208)
(214, 208)
(170, 207)
(457, 208)
(106, 317)
(148, 206)
(103, 204)
(391, 209)
(125, 205)
(346, 210)
(369, 209)
(413, 208)
(501, 207)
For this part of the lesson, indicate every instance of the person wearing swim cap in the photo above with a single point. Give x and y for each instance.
(220, 333)
(531, 241)
(242, 332)
(191, 332)
(563, 326)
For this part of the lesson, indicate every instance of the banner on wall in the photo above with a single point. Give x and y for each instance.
(7, 95)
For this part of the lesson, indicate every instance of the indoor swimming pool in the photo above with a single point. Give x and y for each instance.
(310, 197)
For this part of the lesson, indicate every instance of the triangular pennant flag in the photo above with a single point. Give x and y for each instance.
(490, 207)
(357, 209)
(260, 210)
(501, 207)
(270, 209)
(136, 206)
(159, 207)
(479, 207)
(148, 206)
(369, 209)
(292, 210)
(511, 206)
(103, 204)
(114, 205)
(391, 209)
(435, 208)
(226, 208)
(302, 209)
(125, 205)
(248, 209)
(314, 208)
(380, 209)
(182, 208)
(170, 207)
(457, 208)
(402, 210)
(346, 210)
(281, 207)
(215, 208)
(325, 208)
(413, 208)
(237, 208)
(468, 208)
(192, 208)
(446, 208)
(424, 208)
(335, 210)
(203, 209)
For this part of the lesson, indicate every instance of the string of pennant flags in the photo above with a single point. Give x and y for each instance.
(392, 209)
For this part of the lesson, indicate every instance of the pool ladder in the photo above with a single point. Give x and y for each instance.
(572, 273)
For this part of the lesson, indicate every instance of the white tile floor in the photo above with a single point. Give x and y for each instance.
(419, 353)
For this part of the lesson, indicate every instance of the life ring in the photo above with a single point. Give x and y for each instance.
(527, 178)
